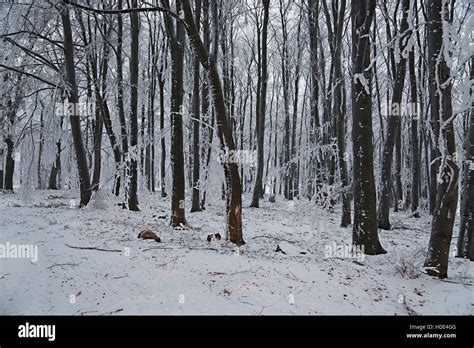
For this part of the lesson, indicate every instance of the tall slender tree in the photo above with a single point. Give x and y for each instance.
(465, 243)
(73, 97)
(196, 204)
(261, 107)
(415, 152)
(364, 233)
(134, 71)
(231, 169)
(393, 123)
(436, 263)
(177, 37)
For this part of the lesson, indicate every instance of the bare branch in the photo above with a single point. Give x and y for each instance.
(30, 75)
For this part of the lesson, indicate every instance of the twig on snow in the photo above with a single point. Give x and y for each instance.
(61, 264)
(93, 248)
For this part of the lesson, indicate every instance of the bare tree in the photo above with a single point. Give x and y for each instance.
(364, 231)
(177, 37)
(231, 169)
(196, 204)
(465, 243)
(261, 107)
(84, 177)
(134, 71)
(436, 262)
(393, 123)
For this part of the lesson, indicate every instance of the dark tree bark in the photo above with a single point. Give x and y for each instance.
(1, 158)
(364, 232)
(294, 163)
(434, 43)
(415, 152)
(177, 37)
(335, 36)
(393, 127)
(465, 244)
(107, 121)
(10, 106)
(134, 45)
(80, 152)
(97, 137)
(257, 191)
(234, 201)
(398, 189)
(207, 112)
(153, 77)
(436, 263)
(285, 75)
(314, 125)
(9, 164)
(120, 107)
(53, 182)
(161, 84)
(41, 149)
(196, 204)
(100, 91)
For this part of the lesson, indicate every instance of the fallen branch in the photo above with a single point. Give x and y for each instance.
(167, 248)
(271, 237)
(120, 277)
(93, 248)
(190, 248)
(113, 312)
(231, 274)
(213, 249)
(451, 281)
(61, 264)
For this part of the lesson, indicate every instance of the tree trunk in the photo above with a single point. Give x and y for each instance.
(98, 128)
(436, 263)
(257, 191)
(53, 176)
(107, 121)
(234, 202)
(80, 152)
(465, 244)
(204, 112)
(1, 157)
(434, 43)
(294, 164)
(288, 189)
(340, 111)
(121, 111)
(415, 152)
(365, 218)
(41, 149)
(134, 45)
(9, 164)
(393, 128)
(313, 166)
(162, 135)
(177, 37)
(196, 204)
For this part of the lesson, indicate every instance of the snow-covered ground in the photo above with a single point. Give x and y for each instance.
(186, 274)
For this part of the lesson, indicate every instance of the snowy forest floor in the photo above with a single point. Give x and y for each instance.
(186, 274)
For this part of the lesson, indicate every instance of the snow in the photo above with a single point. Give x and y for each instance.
(470, 164)
(363, 81)
(185, 274)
